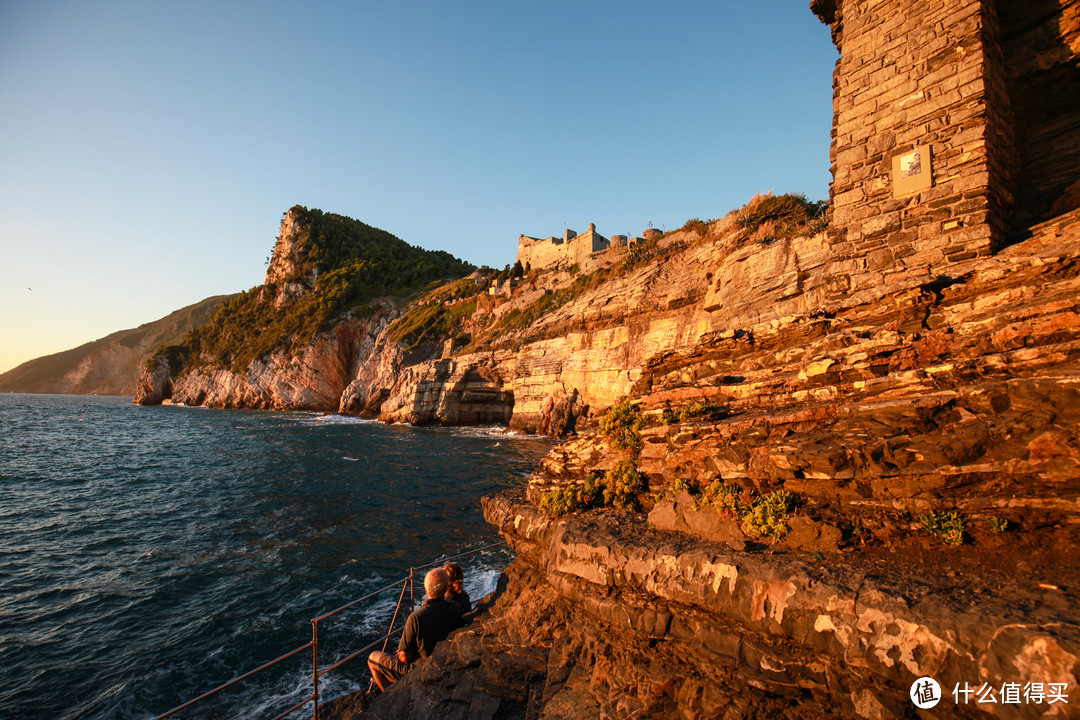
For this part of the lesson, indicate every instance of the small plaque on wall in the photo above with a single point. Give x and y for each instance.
(912, 171)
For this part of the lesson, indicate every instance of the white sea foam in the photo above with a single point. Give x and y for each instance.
(482, 583)
(490, 431)
(299, 686)
(343, 420)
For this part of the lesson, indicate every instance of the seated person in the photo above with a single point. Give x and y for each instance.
(456, 593)
(426, 626)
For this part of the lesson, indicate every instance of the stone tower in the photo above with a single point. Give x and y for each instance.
(956, 126)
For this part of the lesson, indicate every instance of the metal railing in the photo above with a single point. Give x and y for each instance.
(406, 583)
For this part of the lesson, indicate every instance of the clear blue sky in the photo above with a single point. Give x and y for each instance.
(148, 150)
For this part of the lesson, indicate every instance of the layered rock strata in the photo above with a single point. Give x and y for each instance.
(954, 392)
(960, 391)
(602, 616)
(309, 379)
(585, 355)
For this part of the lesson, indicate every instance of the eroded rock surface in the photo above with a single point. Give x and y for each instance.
(946, 389)
(956, 392)
(311, 379)
(603, 616)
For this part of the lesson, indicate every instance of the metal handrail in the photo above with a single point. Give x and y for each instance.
(237, 679)
(351, 657)
(407, 582)
(445, 560)
(393, 620)
(348, 605)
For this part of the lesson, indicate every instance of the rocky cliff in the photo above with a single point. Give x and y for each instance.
(564, 344)
(309, 378)
(810, 469)
(923, 433)
(817, 495)
(297, 341)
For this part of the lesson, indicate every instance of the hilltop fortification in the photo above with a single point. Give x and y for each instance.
(571, 248)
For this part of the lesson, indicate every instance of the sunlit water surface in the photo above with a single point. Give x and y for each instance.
(150, 554)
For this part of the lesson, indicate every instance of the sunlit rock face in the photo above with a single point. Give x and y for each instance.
(945, 392)
(581, 358)
(289, 254)
(603, 616)
(956, 393)
(919, 359)
(154, 385)
(312, 378)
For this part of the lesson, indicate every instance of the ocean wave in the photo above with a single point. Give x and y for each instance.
(334, 419)
(489, 431)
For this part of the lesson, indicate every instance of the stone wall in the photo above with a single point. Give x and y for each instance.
(569, 249)
(581, 247)
(540, 252)
(911, 75)
(1040, 42)
(986, 94)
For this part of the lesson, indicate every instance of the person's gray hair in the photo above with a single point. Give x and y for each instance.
(436, 582)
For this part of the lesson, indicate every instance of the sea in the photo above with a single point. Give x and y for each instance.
(150, 554)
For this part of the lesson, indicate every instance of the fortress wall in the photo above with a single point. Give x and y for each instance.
(540, 253)
(584, 245)
(1040, 41)
(912, 78)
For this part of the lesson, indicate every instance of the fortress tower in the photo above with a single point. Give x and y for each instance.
(956, 126)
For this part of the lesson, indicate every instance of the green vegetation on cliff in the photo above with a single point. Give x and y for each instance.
(518, 319)
(350, 263)
(573, 498)
(759, 516)
(948, 526)
(380, 263)
(620, 486)
(621, 427)
(767, 217)
(439, 316)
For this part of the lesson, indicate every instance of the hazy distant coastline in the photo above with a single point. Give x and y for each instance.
(109, 365)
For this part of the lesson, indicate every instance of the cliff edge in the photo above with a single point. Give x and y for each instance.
(923, 435)
(293, 343)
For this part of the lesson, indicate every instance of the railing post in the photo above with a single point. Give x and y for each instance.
(315, 643)
(315, 665)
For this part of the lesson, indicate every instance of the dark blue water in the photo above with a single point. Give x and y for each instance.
(150, 554)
